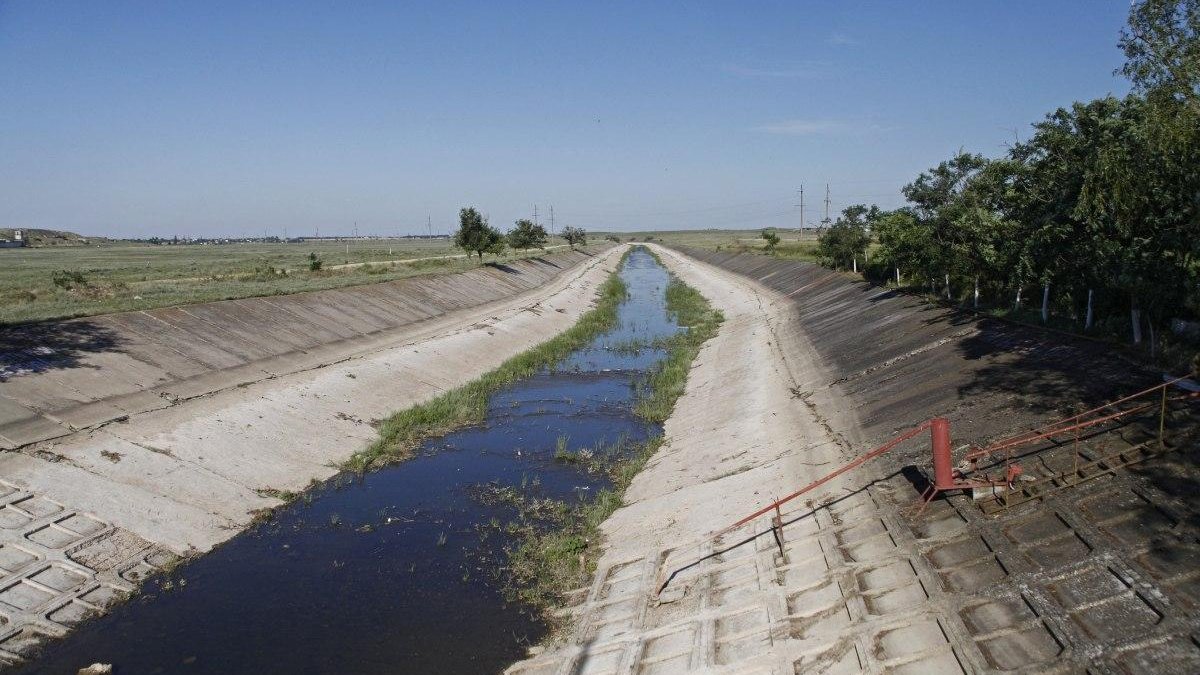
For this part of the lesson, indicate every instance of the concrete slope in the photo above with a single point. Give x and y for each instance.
(85, 517)
(813, 369)
(898, 358)
(60, 377)
(739, 436)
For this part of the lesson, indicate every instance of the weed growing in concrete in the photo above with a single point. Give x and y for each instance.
(559, 547)
(559, 542)
(700, 321)
(282, 495)
(400, 434)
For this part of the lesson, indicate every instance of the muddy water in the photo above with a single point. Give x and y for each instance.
(394, 572)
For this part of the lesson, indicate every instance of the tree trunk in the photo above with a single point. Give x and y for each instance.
(1046, 303)
(1087, 324)
(856, 264)
(976, 291)
(1153, 341)
(1135, 317)
(897, 276)
(947, 286)
(1017, 304)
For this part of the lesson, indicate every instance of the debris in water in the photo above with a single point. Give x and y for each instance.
(97, 669)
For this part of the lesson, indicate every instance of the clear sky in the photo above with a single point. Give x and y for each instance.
(238, 118)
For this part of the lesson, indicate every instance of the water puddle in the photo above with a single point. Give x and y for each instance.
(393, 572)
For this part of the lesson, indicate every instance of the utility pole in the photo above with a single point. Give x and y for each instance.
(802, 210)
(551, 219)
(535, 220)
(826, 221)
(428, 226)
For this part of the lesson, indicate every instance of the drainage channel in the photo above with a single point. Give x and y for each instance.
(394, 571)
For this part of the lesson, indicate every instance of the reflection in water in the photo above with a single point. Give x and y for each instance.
(392, 572)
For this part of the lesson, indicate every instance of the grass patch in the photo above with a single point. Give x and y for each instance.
(400, 434)
(38, 284)
(658, 393)
(558, 553)
(560, 543)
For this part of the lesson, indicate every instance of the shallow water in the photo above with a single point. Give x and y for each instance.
(389, 573)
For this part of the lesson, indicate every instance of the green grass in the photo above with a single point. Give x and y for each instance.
(667, 382)
(713, 239)
(400, 433)
(800, 250)
(559, 556)
(558, 551)
(122, 276)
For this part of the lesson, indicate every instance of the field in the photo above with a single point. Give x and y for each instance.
(121, 276)
(793, 244)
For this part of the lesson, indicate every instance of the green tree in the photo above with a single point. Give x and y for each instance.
(1162, 48)
(771, 238)
(526, 235)
(940, 197)
(575, 236)
(846, 241)
(474, 235)
(903, 243)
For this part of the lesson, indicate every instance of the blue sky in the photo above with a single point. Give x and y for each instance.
(238, 118)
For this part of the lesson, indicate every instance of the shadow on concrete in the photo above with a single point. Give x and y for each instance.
(812, 512)
(543, 261)
(1046, 372)
(41, 347)
(507, 269)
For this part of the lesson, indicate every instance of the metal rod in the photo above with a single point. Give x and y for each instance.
(1162, 419)
(830, 476)
(1049, 429)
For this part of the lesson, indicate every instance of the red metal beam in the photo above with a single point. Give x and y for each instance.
(866, 457)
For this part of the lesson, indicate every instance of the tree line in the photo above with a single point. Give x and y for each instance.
(1095, 216)
(476, 236)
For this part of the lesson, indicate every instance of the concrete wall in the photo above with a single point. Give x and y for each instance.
(903, 360)
(58, 377)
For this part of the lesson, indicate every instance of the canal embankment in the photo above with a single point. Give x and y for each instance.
(90, 514)
(399, 568)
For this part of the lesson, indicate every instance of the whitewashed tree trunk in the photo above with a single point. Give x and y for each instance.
(976, 291)
(1135, 317)
(1046, 303)
(1017, 304)
(1087, 323)
(897, 276)
(856, 264)
(947, 286)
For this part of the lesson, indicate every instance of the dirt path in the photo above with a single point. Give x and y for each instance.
(86, 516)
(748, 430)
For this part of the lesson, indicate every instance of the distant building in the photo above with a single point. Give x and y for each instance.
(17, 241)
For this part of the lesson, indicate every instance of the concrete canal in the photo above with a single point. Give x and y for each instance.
(402, 569)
